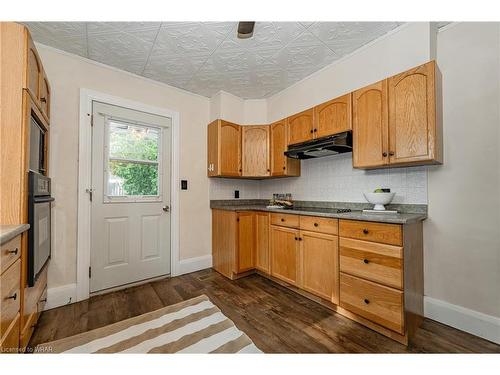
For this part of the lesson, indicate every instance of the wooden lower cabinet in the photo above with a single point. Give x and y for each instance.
(262, 253)
(367, 271)
(285, 254)
(320, 265)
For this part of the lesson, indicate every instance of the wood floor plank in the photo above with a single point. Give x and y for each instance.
(275, 318)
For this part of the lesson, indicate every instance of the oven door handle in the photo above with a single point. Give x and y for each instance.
(43, 199)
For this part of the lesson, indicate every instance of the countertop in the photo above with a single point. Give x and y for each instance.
(8, 232)
(398, 218)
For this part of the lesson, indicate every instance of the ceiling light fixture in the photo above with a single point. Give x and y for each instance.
(245, 29)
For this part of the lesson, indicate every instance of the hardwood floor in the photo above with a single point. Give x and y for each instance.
(276, 319)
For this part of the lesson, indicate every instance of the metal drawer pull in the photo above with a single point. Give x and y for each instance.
(282, 219)
(13, 251)
(366, 261)
(296, 238)
(43, 300)
(365, 231)
(14, 297)
(316, 224)
(43, 100)
(367, 301)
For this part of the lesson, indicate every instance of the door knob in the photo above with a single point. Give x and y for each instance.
(166, 208)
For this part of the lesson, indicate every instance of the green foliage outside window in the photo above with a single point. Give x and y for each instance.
(137, 143)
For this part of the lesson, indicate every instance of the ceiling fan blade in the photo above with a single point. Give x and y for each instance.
(245, 29)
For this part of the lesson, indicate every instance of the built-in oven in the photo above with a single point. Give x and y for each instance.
(39, 217)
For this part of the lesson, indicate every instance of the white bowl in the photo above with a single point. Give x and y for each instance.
(379, 199)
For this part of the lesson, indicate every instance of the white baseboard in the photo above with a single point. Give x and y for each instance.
(61, 295)
(194, 264)
(479, 324)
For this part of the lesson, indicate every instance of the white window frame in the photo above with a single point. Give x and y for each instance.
(131, 198)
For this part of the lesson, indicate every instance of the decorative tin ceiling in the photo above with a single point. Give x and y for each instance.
(205, 57)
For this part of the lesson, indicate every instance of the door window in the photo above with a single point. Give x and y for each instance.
(132, 169)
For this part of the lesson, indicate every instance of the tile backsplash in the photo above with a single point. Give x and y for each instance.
(331, 178)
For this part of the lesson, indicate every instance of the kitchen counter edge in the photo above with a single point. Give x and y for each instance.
(8, 232)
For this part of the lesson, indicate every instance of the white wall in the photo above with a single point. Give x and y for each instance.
(462, 234)
(67, 74)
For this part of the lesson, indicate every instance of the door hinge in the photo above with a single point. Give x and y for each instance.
(91, 120)
(90, 193)
(90, 272)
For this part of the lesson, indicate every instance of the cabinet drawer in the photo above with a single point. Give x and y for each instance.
(9, 344)
(373, 261)
(391, 234)
(10, 296)
(285, 220)
(319, 224)
(378, 303)
(11, 251)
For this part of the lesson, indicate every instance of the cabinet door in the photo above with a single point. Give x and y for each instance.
(255, 151)
(246, 241)
(230, 149)
(370, 126)
(300, 127)
(262, 261)
(285, 254)
(280, 164)
(412, 115)
(34, 71)
(320, 265)
(213, 148)
(224, 231)
(45, 96)
(333, 117)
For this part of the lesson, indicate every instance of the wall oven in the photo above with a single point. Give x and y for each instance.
(39, 217)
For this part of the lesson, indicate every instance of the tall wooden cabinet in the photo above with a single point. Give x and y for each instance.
(280, 164)
(255, 151)
(398, 121)
(224, 149)
(25, 92)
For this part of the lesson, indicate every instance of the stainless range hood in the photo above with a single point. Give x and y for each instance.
(331, 145)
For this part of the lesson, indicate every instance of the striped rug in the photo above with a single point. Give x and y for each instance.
(193, 326)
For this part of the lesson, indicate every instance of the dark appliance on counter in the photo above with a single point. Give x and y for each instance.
(39, 217)
(326, 146)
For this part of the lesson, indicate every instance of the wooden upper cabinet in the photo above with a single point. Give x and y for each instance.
(300, 127)
(370, 126)
(255, 151)
(246, 241)
(230, 148)
(280, 164)
(224, 149)
(320, 265)
(414, 129)
(285, 259)
(45, 96)
(33, 70)
(333, 117)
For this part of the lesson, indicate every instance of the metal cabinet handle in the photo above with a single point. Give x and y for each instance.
(43, 100)
(300, 238)
(391, 153)
(316, 224)
(13, 251)
(384, 154)
(282, 220)
(365, 231)
(43, 300)
(14, 297)
(366, 261)
(367, 301)
(166, 208)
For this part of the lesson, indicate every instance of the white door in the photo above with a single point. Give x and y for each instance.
(130, 226)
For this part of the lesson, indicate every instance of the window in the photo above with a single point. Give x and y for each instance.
(133, 161)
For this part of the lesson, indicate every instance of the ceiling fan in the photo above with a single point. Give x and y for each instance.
(245, 29)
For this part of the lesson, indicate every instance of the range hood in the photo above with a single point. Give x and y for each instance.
(331, 145)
